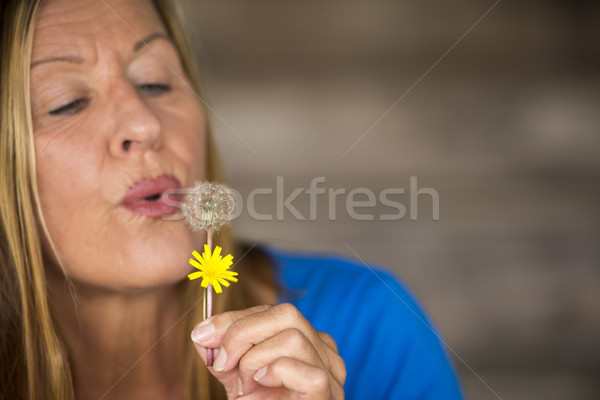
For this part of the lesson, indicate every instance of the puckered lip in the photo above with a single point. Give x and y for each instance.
(144, 197)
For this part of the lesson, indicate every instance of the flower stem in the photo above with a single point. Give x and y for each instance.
(204, 304)
(210, 353)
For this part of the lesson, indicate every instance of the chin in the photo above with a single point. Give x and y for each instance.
(134, 262)
(161, 260)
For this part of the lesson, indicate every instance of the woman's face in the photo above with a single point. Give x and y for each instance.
(116, 124)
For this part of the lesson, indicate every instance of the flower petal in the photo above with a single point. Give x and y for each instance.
(197, 255)
(223, 282)
(217, 287)
(195, 263)
(195, 275)
(217, 252)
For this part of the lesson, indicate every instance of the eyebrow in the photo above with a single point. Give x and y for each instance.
(145, 41)
(71, 59)
(78, 60)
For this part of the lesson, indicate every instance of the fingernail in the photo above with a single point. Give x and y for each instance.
(260, 373)
(219, 364)
(240, 389)
(203, 332)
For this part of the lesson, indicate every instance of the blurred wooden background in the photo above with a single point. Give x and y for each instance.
(506, 128)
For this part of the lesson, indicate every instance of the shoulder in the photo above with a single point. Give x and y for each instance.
(333, 281)
(376, 322)
(324, 272)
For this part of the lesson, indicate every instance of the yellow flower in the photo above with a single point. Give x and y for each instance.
(214, 269)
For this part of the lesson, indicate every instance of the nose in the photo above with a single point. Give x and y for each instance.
(137, 126)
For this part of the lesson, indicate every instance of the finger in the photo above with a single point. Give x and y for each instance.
(328, 340)
(293, 344)
(297, 376)
(332, 359)
(210, 332)
(290, 343)
(255, 328)
(335, 364)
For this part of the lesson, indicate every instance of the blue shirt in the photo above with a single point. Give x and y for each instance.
(390, 348)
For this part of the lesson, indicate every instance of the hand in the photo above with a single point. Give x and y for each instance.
(271, 352)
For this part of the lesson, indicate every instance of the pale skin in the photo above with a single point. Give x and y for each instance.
(109, 109)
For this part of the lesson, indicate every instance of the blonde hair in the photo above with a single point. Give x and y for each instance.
(34, 360)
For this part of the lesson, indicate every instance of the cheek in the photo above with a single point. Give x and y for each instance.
(185, 135)
(67, 180)
(64, 173)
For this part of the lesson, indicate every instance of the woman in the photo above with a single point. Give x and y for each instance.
(99, 115)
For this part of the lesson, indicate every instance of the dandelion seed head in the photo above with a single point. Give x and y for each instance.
(208, 206)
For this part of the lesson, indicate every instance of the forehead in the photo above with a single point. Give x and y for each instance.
(77, 25)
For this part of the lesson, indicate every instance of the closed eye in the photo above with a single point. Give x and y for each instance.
(72, 108)
(153, 89)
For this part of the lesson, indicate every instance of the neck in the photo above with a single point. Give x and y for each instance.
(121, 345)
